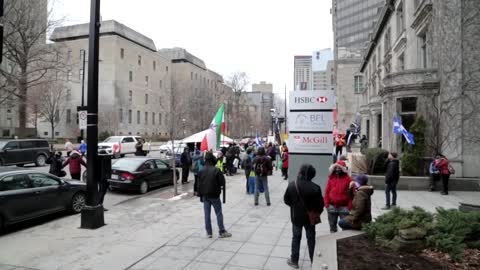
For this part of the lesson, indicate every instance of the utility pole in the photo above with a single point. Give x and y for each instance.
(285, 124)
(83, 88)
(92, 215)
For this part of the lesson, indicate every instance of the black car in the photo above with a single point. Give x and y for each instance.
(27, 194)
(21, 152)
(140, 174)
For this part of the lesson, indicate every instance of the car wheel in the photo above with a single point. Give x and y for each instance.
(144, 187)
(122, 155)
(78, 202)
(84, 176)
(40, 161)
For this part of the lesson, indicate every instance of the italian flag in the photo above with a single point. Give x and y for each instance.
(211, 141)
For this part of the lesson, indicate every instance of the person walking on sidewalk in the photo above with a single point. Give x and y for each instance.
(74, 162)
(285, 157)
(82, 148)
(197, 165)
(68, 147)
(392, 175)
(303, 196)
(210, 183)
(445, 169)
(247, 165)
(337, 201)
(361, 212)
(262, 165)
(186, 162)
(434, 173)
(55, 161)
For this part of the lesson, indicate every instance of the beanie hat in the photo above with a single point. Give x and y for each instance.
(361, 179)
(342, 163)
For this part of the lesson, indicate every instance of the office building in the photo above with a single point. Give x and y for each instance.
(302, 72)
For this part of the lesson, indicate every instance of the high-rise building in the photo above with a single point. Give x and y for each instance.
(262, 87)
(302, 72)
(319, 69)
(352, 21)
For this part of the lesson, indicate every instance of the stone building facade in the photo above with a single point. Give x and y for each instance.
(134, 82)
(422, 60)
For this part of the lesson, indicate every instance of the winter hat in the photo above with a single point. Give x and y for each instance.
(361, 180)
(342, 163)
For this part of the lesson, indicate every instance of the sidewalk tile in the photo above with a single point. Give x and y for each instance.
(225, 245)
(232, 267)
(183, 252)
(197, 242)
(6, 267)
(263, 239)
(143, 264)
(281, 252)
(243, 228)
(196, 265)
(277, 264)
(164, 263)
(238, 236)
(248, 260)
(215, 256)
(256, 249)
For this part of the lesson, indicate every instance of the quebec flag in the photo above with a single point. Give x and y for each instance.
(398, 128)
(258, 141)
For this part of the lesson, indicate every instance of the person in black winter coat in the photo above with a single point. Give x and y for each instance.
(55, 161)
(308, 196)
(186, 161)
(210, 183)
(392, 175)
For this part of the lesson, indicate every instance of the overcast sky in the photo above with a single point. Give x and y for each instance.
(259, 37)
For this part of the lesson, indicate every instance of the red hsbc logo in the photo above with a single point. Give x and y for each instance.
(322, 99)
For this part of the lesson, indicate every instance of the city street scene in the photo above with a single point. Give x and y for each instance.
(240, 135)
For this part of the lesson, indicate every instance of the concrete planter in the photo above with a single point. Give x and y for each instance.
(423, 183)
(326, 249)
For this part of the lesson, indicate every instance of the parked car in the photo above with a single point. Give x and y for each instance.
(140, 174)
(21, 152)
(126, 143)
(28, 194)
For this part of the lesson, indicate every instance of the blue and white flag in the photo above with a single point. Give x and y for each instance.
(258, 141)
(398, 128)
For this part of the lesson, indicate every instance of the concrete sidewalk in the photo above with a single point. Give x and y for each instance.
(155, 232)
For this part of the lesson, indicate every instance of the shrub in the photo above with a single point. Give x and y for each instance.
(454, 230)
(412, 154)
(387, 225)
(376, 158)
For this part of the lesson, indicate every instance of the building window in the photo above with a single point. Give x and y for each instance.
(122, 53)
(153, 118)
(423, 51)
(400, 19)
(154, 65)
(401, 62)
(358, 84)
(130, 76)
(130, 95)
(129, 116)
(146, 80)
(68, 116)
(120, 115)
(57, 116)
(146, 118)
(160, 100)
(146, 98)
(69, 94)
(45, 133)
(138, 117)
(161, 84)
(196, 76)
(69, 75)
(160, 119)
(139, 60)
(166, 69)
(387, 41)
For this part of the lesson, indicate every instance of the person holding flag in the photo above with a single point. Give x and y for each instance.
(211, 141)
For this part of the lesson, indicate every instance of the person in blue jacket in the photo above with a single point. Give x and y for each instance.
(82, 148)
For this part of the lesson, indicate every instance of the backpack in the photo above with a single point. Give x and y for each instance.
(261, 169)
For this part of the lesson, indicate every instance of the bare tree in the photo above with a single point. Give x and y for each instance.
(52, 104)
(238, 82)
(28, 58)
(109, 120)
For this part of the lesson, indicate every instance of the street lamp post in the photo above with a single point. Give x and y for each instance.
(92, 215)
(83, 85)
(183, 121)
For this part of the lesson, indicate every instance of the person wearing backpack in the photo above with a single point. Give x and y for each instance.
(197, 165)
(306, 204)
(262, 165)
(434, 173)
(392, 175)
(247, 165)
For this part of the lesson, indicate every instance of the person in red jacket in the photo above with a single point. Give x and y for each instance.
(285, 163)
(337, 201)
(74, 163)
(443, 166)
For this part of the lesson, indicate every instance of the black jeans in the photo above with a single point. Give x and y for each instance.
(338, 151)
(391, 187)
(185, 173)
(434, 177)
(297, 238)
(445, 179)
(285, 173)
(195, 188)
(247, 176)
(75, 176)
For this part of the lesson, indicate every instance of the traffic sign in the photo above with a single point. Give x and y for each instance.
(82, 119)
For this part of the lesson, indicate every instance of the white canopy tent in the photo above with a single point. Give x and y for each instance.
(198, 137)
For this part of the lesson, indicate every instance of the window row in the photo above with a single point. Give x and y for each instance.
(139, 60)
(146, 116)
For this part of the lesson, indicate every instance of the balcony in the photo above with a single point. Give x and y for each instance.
(415, 79)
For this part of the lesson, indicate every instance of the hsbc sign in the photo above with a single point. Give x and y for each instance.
(311, 100)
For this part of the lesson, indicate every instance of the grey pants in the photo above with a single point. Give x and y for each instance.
(264, 181)
(333, 214)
